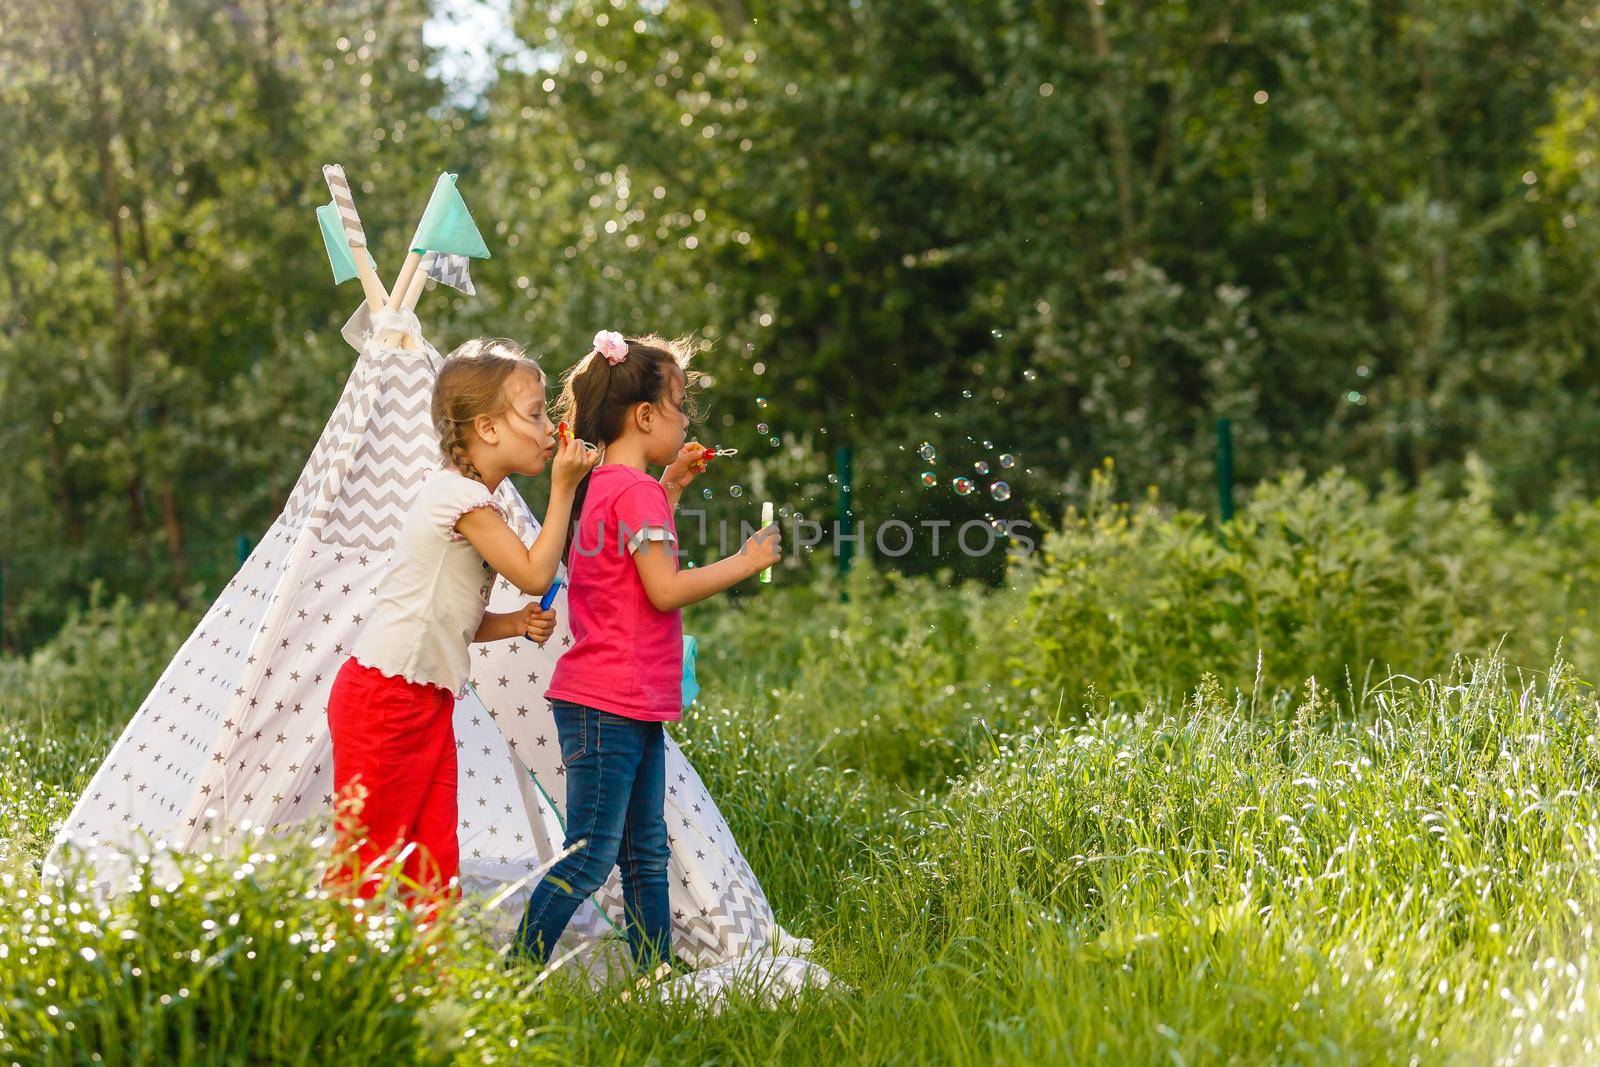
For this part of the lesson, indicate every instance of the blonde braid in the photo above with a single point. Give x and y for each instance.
(453, 443)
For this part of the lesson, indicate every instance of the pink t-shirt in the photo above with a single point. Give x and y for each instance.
(626, 657)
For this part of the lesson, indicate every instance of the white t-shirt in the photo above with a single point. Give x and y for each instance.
(433, 596)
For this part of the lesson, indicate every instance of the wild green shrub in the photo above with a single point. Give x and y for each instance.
(1318, 579)
(99, 665)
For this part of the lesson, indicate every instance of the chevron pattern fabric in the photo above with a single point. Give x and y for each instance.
(454, 271)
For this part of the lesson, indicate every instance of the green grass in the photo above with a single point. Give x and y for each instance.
(997, 865)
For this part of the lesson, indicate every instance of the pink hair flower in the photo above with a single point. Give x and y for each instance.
(610, 344)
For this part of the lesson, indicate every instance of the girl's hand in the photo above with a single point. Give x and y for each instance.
(534, 624)
(573, 460)
(763, 549)
(691, 461)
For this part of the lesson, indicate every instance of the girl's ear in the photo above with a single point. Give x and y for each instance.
(486, 430)
(644, 416)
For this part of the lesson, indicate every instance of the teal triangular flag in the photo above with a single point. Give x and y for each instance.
(447, 226)
(333, 238)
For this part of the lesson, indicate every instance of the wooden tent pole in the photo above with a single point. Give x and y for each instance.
(402, 284)
(371, 284)
(345, 202)
(414, 294)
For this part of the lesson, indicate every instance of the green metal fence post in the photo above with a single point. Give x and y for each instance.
(241, 549)
(844, 458)
(1225, 469)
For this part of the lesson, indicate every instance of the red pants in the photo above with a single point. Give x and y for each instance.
(394, 779)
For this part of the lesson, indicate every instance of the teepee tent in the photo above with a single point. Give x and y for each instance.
(234, 734)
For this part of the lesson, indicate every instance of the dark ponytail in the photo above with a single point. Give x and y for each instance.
(596, 397)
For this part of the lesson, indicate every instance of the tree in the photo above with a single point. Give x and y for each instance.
(167, 350)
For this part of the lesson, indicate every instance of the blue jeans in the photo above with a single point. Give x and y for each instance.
(616, 773)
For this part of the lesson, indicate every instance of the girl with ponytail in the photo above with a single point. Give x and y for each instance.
(621, 680)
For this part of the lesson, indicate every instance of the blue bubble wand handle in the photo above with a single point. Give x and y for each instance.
(549, 598)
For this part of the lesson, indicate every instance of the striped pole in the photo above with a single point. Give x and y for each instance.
(345, 202)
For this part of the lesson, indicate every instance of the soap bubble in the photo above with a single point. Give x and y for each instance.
(929, 479)
(736, 490)
(927, 453)
(707, 493)
(833, 479)
(1030, 375)
(966, 394)
(761, 427)
(1000, 491)
(981, 467)
(987, 444)
(761, 401)
(775, 442)
(962, 485)
(1007, 460)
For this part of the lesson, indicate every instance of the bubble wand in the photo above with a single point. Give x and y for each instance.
(564, 433)
(548, 598)
(766, 520)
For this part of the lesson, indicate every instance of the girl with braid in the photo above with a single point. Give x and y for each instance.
(391, 705)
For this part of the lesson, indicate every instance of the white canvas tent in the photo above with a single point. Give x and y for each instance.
(235, 731)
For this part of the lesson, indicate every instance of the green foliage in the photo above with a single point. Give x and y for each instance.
(65, 704)
(881, 681)
(228, 957)
(1077, 231)
(168, 330)
(101, 663)
(1357, 892)
(1072, 231)
(1025, 824)
(1319, 579)
(1412, 877)
(1069, 231)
